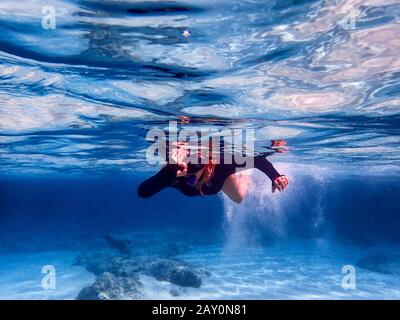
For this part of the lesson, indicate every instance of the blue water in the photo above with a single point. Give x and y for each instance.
(77, 101)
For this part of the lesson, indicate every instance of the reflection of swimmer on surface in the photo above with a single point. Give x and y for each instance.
(210, 178)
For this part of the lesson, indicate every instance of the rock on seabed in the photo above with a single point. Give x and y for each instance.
(109, 287)
(118, 276)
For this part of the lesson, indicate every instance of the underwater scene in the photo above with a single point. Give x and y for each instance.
(86, 214)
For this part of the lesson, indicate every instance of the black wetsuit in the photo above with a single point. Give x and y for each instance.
(166, 177)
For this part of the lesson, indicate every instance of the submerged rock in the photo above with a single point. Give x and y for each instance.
(109, 287)
(127, 267)
(174, 292)
(185, 277)
(123, 246)
(177, 272)
(96, 262)
(382, 262)
(118, 269)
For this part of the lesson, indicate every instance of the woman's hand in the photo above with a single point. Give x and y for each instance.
(183, 171)
(280, 183)
(179, 154)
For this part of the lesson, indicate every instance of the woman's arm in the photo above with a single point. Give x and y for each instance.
(262, 164)
(163, 179)
(279, 181)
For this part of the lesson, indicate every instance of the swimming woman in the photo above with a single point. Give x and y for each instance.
(211, 178)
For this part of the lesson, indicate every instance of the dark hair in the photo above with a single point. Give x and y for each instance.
(193, 168)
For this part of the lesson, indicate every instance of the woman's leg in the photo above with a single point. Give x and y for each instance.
(236, 186)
